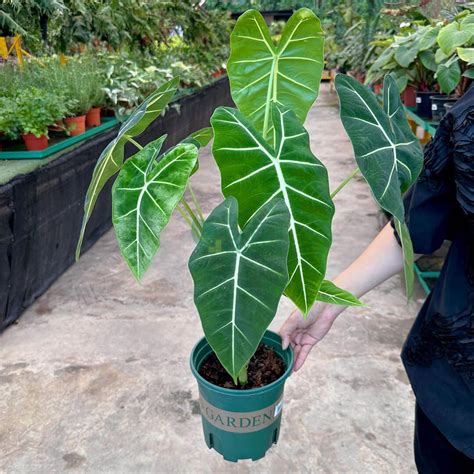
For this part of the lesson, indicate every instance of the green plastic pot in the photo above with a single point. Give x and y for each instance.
(241, 424)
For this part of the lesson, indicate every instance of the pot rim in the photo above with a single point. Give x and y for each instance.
(251, 391)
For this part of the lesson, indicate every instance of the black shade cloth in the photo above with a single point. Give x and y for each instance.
(41, 212)
(439, 351)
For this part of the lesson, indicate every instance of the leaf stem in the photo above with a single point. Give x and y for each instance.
(134, 142)
(243, 375)
(196, 203)
(344, 182)
(185, 216)
(192, 215)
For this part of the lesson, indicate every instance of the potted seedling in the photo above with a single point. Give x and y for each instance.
(97, 99)
(271, 235)
(36, 110)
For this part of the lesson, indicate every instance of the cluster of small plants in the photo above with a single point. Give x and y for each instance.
(429, 54)
(43, 92)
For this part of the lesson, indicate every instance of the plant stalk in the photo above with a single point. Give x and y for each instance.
(192, 215)
(344, 183)
(134, 142)
(196, 203)
(185, 216)
(243, 375)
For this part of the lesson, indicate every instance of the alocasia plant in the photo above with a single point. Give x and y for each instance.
(272, 233)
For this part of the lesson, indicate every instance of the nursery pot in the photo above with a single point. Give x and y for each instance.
(408, 96)
(93, 117)
(423, 103)
(437, 105)
(34, 143)
(241, 424)
(75, 125)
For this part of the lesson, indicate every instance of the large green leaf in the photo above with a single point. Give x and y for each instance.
(288, 74)
(408, 256)
(330, 293)
(466, 54)
(388, 154)
(428, 60)
(144, 197)
(453, 35)
(111, 159)
(255, 173)
(239, 278)
(448, 75)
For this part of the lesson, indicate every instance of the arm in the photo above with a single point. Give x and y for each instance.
(382, 259)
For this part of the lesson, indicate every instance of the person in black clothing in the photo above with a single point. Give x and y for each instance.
(439, 352)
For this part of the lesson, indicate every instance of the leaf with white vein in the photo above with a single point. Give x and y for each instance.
(144, 196)
(239, 278)
(388, 154)
(288, 74)
(111, 159)
(255, 173)
(330, 293)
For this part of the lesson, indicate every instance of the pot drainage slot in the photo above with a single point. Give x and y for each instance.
(275, 436)
(211, 440)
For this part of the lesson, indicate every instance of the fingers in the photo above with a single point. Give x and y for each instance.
(301, 353)
(287, 330)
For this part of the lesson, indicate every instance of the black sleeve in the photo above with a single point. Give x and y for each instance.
(430, 204)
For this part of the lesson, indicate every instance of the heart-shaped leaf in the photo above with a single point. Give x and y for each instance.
(388, 154)
(453, 35)
(144, 196)
(111, 159)
(330, 293)
(255, 173)
(448, 75)
(239, 278)
(288, 74)
(466, 54)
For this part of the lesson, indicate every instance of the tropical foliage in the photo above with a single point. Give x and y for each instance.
(272, 233)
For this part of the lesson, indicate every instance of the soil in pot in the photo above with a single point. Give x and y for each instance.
(93, 117)
(34, 143)
(437, 105)
(265, 367)
(423, 103)
(75, 125)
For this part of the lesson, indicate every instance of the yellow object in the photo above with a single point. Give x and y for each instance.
(6, 51)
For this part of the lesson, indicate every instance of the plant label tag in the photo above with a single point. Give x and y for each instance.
(278, 409)
(434, 107)
(418, 100)
(420, 133)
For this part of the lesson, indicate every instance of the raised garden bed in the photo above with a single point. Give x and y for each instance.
(41, 212)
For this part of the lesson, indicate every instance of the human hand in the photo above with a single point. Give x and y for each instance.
(303, 334)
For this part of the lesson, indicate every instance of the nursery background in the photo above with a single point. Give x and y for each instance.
(94, 366)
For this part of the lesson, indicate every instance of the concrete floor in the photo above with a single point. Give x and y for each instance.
(95, 376)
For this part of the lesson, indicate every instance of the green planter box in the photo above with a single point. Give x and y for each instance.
(241, 424)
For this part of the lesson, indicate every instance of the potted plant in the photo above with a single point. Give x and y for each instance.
(94, 84)
(271, 235)
(411, 61)
(75, 80)
(36, 110)
(454, 58)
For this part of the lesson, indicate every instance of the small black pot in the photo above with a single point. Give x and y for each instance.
(438, 109)
(423, 103)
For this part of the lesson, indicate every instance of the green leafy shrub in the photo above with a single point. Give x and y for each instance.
(9, 125)
(36, 110)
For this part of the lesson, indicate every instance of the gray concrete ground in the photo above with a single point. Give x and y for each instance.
(95, 376)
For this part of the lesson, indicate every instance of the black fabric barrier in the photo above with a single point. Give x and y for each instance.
(41, 212)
